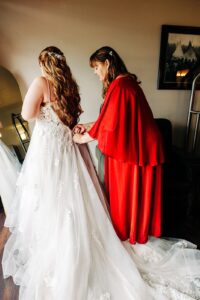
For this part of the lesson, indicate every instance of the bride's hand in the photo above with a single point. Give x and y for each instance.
(80, 128)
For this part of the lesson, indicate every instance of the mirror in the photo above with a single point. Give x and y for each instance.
(13, 135)
(12, 132)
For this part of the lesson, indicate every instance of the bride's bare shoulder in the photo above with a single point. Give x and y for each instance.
(40, 80)
(38, 84)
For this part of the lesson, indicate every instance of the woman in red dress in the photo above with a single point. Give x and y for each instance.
(129, 138)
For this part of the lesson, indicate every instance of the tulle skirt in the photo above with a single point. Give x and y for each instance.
(9, 171)
(63, 245)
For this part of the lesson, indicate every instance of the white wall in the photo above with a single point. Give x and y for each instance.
(80, 27)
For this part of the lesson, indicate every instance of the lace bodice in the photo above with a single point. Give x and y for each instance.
(49, 124)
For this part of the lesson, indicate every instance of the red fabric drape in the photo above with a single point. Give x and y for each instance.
(128, 136)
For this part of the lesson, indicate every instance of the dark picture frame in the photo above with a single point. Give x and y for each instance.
(179, 57)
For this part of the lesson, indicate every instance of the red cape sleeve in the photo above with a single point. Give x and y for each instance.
(125, 128)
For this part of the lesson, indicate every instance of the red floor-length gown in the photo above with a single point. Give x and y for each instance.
(128, 136)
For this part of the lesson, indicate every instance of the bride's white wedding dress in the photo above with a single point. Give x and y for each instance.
(9, 171)
(63, 245)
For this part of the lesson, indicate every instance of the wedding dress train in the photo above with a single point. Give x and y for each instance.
(63, 245)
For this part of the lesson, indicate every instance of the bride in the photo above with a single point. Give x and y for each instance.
(62, 243)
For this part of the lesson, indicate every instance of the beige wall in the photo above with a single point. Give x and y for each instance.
(9, 89)
(80, 27)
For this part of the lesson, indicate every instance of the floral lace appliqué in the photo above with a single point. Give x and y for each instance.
(49, 124)
(185, 289)
(105, 296)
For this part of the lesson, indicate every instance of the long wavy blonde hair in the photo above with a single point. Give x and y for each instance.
(66, 91)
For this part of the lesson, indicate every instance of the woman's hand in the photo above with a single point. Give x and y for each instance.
(80, 128)
(82, 138)
(77, 137)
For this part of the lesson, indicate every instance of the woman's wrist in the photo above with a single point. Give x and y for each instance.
(82, 138)
(88, 126)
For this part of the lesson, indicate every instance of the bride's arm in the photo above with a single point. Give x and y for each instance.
(33, 99)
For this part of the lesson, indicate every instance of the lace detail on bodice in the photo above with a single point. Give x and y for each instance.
(49, 124)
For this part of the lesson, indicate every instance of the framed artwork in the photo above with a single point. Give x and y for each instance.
(179, 57)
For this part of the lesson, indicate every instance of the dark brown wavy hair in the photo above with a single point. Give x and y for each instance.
(116, 65)
(66, 91)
